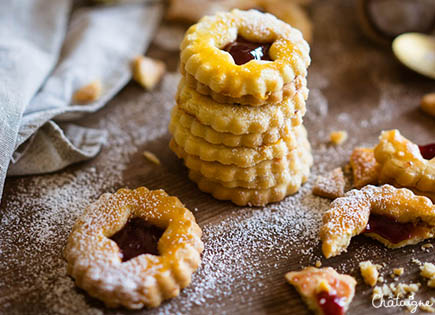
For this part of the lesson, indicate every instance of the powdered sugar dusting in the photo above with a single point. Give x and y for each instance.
(247, 251)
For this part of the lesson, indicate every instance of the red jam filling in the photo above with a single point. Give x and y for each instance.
(427, 151)
(243, 51)
(389, 228)
(330, 303)
(137, 237)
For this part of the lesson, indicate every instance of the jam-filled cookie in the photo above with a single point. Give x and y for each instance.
(397, 161)
(395, 217)
(324, 290)
(404, 163)
(249, 56)
(134, 248)
(237, 122)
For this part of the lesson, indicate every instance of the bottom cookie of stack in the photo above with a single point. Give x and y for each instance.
(268, 181)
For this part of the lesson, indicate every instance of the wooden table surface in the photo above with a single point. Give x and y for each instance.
(355, 85)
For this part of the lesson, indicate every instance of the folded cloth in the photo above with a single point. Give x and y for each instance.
(99, 45)
(31, 35)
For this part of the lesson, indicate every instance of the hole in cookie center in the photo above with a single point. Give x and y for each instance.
(137, 237)
(391, 229)
(330, 303)
(243, 51)
(427, 151)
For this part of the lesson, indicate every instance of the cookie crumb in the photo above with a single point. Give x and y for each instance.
(369, 272)
(426, 247)
(147, 71)
(338, 137)
(416, 261)
(398, 271)
(88, 93)
(427, 308)
(428, 272)
(330, 186)
(427, 104)
(151, 157)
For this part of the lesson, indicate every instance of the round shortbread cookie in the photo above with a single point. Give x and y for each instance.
(230, 173)
(239, 156)
(251, 140)
(203, 57)
(239, 119)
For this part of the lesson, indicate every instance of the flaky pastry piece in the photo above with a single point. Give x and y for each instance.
(364, 167)
(401, 163)
(395, 217)
(95, 260)
(202, 55)
(238, 119)
(239, 156)
(263, 172)
(250, 140)
(324, 290)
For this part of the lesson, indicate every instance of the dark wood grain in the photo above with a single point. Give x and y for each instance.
(360, 82)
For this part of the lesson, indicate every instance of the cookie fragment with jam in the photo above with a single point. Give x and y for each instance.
(324, 290)
(395, 217)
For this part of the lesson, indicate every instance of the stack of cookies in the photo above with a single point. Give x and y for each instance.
(237, 123)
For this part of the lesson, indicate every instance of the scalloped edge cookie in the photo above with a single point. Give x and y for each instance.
(252, 197)
(145, 280)
(203, 58)
(400, 162)
(348, 216)
(250, 140)
(288, 91)
(229, 173)
(239, 119)
(239, 156)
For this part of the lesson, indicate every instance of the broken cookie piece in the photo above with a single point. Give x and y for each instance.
(88, 93)
(323, 290)
(147, 71)
(428, 271)
(369, 272)
(331, 185)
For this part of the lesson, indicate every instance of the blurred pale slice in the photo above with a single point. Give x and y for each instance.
(417, 52)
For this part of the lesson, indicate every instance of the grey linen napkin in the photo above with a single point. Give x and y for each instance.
(31, 34)
(100, 44)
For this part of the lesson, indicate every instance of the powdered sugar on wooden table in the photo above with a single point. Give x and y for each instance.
(355, 87)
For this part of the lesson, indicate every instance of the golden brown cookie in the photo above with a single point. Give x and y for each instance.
(134, 248)
(279, 54)
(395, 217)
(323, 290)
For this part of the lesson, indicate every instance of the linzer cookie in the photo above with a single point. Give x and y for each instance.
(395, 217)
(245, 53)
(237, 122)
(134, 248)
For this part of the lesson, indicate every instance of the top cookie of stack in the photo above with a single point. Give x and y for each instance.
(240, 103)
(213, 65)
